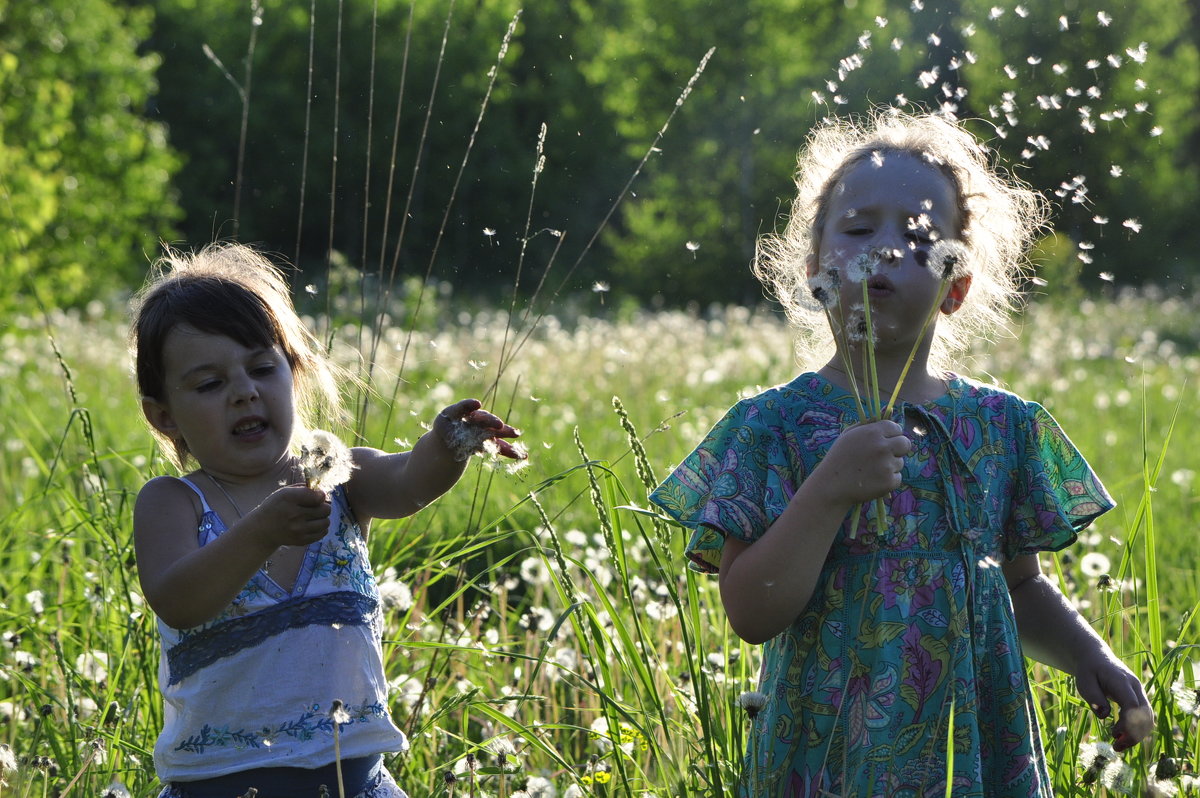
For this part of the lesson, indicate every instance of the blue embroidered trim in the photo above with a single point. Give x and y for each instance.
(312, 722)
(217, 642)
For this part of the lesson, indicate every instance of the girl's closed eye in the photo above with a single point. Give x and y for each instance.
(207, 385)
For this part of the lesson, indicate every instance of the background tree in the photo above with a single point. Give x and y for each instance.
(85, 178)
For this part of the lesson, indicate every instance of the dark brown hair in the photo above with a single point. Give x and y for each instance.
(232, 290)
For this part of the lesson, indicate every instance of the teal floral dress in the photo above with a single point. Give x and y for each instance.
(908, 628)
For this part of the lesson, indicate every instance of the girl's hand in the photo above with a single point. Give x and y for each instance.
(294, 515)
(1109, 679)
(466, 428)
(865, 462)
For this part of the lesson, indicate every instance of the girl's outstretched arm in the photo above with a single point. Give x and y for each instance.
(765, 585)
(397, 485)
(1053, 632)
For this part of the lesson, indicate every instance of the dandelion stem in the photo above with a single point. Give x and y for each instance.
(872, 379)
(912, 355)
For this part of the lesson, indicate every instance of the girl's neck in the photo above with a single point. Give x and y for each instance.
(283, 472)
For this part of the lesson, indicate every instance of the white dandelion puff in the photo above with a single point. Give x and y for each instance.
(753, 702)
(1132, 224)
(1103, 18)
(325, 461)
(92, 666)
(1094, 564)
(338, 713)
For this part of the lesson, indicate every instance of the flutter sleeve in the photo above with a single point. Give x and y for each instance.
(736, 482)
(1056, 492)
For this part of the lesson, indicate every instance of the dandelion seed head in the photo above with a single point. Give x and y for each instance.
(1094, 564)
(8, 759)
(325, 461)
(753, 702)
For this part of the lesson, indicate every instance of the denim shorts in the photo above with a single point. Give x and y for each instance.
(365, 777)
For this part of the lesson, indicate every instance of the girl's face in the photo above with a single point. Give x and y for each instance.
(232, 405)
(895, 205)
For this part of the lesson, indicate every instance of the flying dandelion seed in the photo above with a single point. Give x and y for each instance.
(1113, 60)
(1103, 18)
(934, 40)
(1115, 170)
(881, 22)
(917, 5)
(1156, 131)
(1063, 24)
(1132, 224)
(692, 246)
(600, 287)
(1100, 219)
(310, 289)
(995, 13)
(1033, 60)
(1107, 277)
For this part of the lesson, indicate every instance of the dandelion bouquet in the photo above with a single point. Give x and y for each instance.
(853, 328)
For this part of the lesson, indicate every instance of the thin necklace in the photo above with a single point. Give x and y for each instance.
(238, 510)
(224, 493)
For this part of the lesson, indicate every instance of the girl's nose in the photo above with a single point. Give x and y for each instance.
(889, 255)
(244, 389)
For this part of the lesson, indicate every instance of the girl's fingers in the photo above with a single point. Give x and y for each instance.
(461, 409)
(506, 449)
(490, 422)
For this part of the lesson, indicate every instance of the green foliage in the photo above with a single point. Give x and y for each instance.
(85, 178)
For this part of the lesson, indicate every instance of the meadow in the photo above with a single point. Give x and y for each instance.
(542, 632)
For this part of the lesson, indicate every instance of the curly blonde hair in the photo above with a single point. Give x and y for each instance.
(1001, 218)
(233, 290)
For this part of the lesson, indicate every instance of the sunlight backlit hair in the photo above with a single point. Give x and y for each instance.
(233, 290)
(1001, 217)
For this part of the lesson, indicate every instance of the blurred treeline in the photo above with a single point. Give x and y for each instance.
(121, 125)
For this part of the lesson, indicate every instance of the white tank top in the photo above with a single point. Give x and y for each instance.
(253, 687)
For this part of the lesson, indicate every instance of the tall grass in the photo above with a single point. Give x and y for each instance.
(549, 609)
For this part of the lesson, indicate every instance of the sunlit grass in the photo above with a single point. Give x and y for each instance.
(542, 610)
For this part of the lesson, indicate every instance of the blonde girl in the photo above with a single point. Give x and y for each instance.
(885, 553)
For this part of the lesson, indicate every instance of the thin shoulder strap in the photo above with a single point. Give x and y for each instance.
(200, 493)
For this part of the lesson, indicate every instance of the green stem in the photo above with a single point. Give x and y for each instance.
(872, 374)
(916, 344)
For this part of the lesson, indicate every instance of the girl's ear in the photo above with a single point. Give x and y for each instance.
(159, 416)
(810, 264)
(956, 295)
